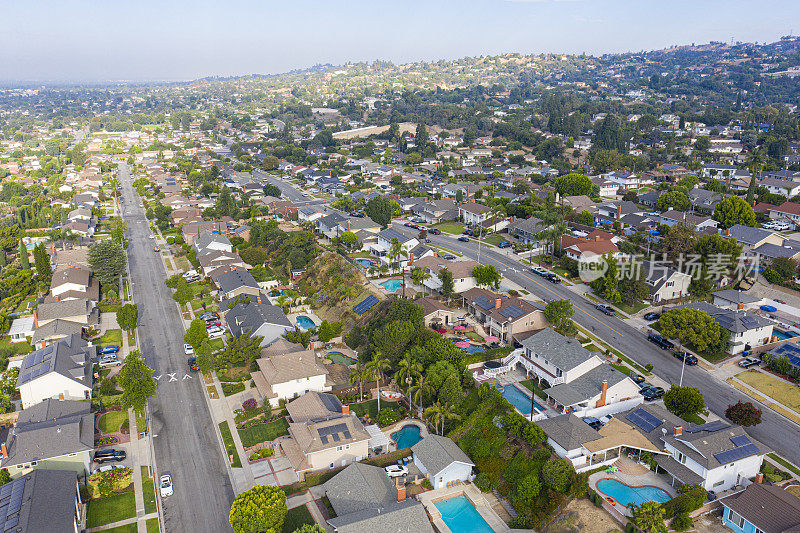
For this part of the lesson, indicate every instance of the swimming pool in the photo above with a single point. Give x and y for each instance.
(366, 263)
(339, 357)
(392, 285)
(407, 436)
(782, 335)
(304, 323)
(625, 494)
(519, 399)
(474, 348)
(460, 516)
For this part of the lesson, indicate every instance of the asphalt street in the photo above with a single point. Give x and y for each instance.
(297, 197)
(185, 442)
(775, 431)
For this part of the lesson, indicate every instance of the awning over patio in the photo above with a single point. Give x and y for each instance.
(617, 433)
(377, 438)
(680, 472)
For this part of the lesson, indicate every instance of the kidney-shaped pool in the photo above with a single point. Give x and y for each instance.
(625, 494)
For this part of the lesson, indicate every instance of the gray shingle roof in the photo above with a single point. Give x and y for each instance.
(244, 317)
(586, 386)
(397, 517)
(562, 352)
(64, 308)
(768, 507)
(53, 490)
(568, 431)
(748, 235)
(235, 278)
(71, 357)
(437, 453)
(359, 487)
(734, 321)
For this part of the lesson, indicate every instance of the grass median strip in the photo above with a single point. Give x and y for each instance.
(148, 491)
(230, 447)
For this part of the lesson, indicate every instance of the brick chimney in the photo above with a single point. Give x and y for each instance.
(348, 225)
(61, 396)
(728, 232)
(740, 306)
(401, 491)
(345, 409)
(410, 258)
(619, 211)
(4, 450)
(603, 391)
(258, 299)
(759, 476)
(677, 431)
(497, 303)
(597, 238)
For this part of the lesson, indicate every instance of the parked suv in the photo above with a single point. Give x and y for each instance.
(747, 362)
(660, 341)
(434, 231)
(607, 309)
(109, 456)
(109, 360)
(652, 393)
(688, 358)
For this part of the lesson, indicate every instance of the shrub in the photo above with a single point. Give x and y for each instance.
(483, 482)
(518, 522)
(102, 484)
(250, 404)
(681, 522)
(386, 417)
(260, 454)
(690, 499)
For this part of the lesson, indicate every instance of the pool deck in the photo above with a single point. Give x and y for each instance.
(388, 430)
(472, 493)
(632, 474)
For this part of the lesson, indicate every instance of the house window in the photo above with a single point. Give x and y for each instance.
(718, 483)
(736, 518)
(681, 458)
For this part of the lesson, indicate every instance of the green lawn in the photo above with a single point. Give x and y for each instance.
(131, 338)
(112, 337)
(454, 228)
(622, 368)
(141, 422)
(495, 239)
(230, 447)
(111, 421)
(111, 509)
(631, 310)
(263, 432)
(127, 528)
(361, 255)
(217, 344)
(229, 389)
(296, 517)
(197, 303)
(152, 525)
(149, 490)
(15, 348)
(784, 462)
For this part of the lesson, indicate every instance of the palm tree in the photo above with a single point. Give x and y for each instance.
(419, 391)
(359, 374)
(407, 370)
(449, 414)
(377, 367)
(419, 275)
(435, 414)
(396, 252)
(558, 230)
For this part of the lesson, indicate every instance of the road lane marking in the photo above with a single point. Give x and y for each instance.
(187, 376)
(172, 377)
(157, 377)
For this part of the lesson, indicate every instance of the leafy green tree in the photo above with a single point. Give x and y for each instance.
(421, 138)
(309, 528)
(42, 262)
(649, 516)
(183, 293)
(136, 381)
(23, 256)
(379, 210)
(128, 317)
(261, 509)
(684, 401)
(269, 189)
(327, 330)
(240, 351)
(573, 184)
(8, 381)
(5, 477)
(734, 210)
(448, 284)
(633, 290)
(784, 267)
(107, 260)
(486, 276)
(557, 474)
(299, 336)
(528, 488)
(253, 256)
(559, 313)
(451, 393)
(226, 204)
(676, 199)
(679, 240)
(196, 334)
(744, 414)
(695, 327)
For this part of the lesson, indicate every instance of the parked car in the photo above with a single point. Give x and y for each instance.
(192, 363)
(108, 468)
(747, 362)
(187, 349)
(653, 393)
(408, 225)
(637, 378)
(216, 333)
(109, 456)
(660, 341)
(213, 324)
(449, 257)
(643, 386)
(552, 278)
(652, 316)
(686, 357)
(165, 485)
(467, 232)
(396, 470)
(539, 271)
(606, 309)
(463, 239)
(109, 360)
(108, 350)
(434, 231)
(504, 244)
(209, 314)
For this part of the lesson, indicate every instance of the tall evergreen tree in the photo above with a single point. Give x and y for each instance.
(42, 262)
(23, 256)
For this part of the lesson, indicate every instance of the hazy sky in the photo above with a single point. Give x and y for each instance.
(78, 40)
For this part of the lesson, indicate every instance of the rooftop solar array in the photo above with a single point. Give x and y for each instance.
(38, 356)
(512, 312)
(331, 402)
(740, 452)
(44, 368)
(644, 420)
(366, 304)
(740, 440)
(483, 302)
(11, 503)
(711, 426)
(791, 351)
(332, 433)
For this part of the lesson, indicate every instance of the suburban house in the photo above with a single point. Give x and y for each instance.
(472, 213)
(51, 435)
(256, 315)
(747, 330)
(704, 200)
(761, 507)
(21, 329)
(672, 217)
(507, 317)
(579, 380)
(79, 310)
(607, 188)
(752, 238)
(787, 188)
(665, 282)
(74, 282)
(461, 270)
(788, 211)
(54, 331)
(436, 210)
(526, 230)
(365, 499)
(577, 249)
(233, 281)
(283, 376)
(210, 242)
(191, 231)
(61, 370)
(211, 262)
(411, 246)
(41, 502)
(442, 461)
(183, 214)
(435, 312)
(323, 434)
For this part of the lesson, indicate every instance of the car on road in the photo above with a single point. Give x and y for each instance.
(747, 362)
(396, 470)
(165, 485)
(109, 360)
(653, 393)
(108, 350)
(427, 240)
(652, 316)
(109, 456)
(434, 231)
(660, 341)
(187, 349)
(686, 357)
(449, 257)
(463, 239)
(539, 271)
(156, 249)
(504, 244)
(606, 309)
(408, 225)
(552, 278)
(192, 363)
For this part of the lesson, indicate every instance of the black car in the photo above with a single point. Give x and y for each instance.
(463, 239)
(357, 214)
(408, 225)
(652, 316)
(552, 278)
(660, 341)
(449, 257)
(434, 231)
(653, 393)
(637, 378)
(504, 244)
(688, 358)
(466, 232)
(606, 309)
(111, 455)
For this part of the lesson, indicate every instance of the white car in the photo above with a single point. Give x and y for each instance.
(215, 333)
(108, 468)
(396, 470)
(187, 349)
(166, 485)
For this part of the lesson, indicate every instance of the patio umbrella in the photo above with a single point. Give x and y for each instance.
(491, 338)
(462, 344)
(440, 331)
(460, 328)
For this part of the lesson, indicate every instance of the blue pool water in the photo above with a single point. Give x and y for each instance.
(366, 263)
(625, 494)
(461, 516)
(305, 323)
(519, 399)
(392, 285)
(407, 436)
(473, 348)
(782, 334)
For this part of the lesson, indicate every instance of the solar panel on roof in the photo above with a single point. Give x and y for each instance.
(711, 426)
(483, 302)
(346, 434)
(644, 420)
(737, 453)
(324, 439)
(740, 440)
(336, 437)
(512, 311)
